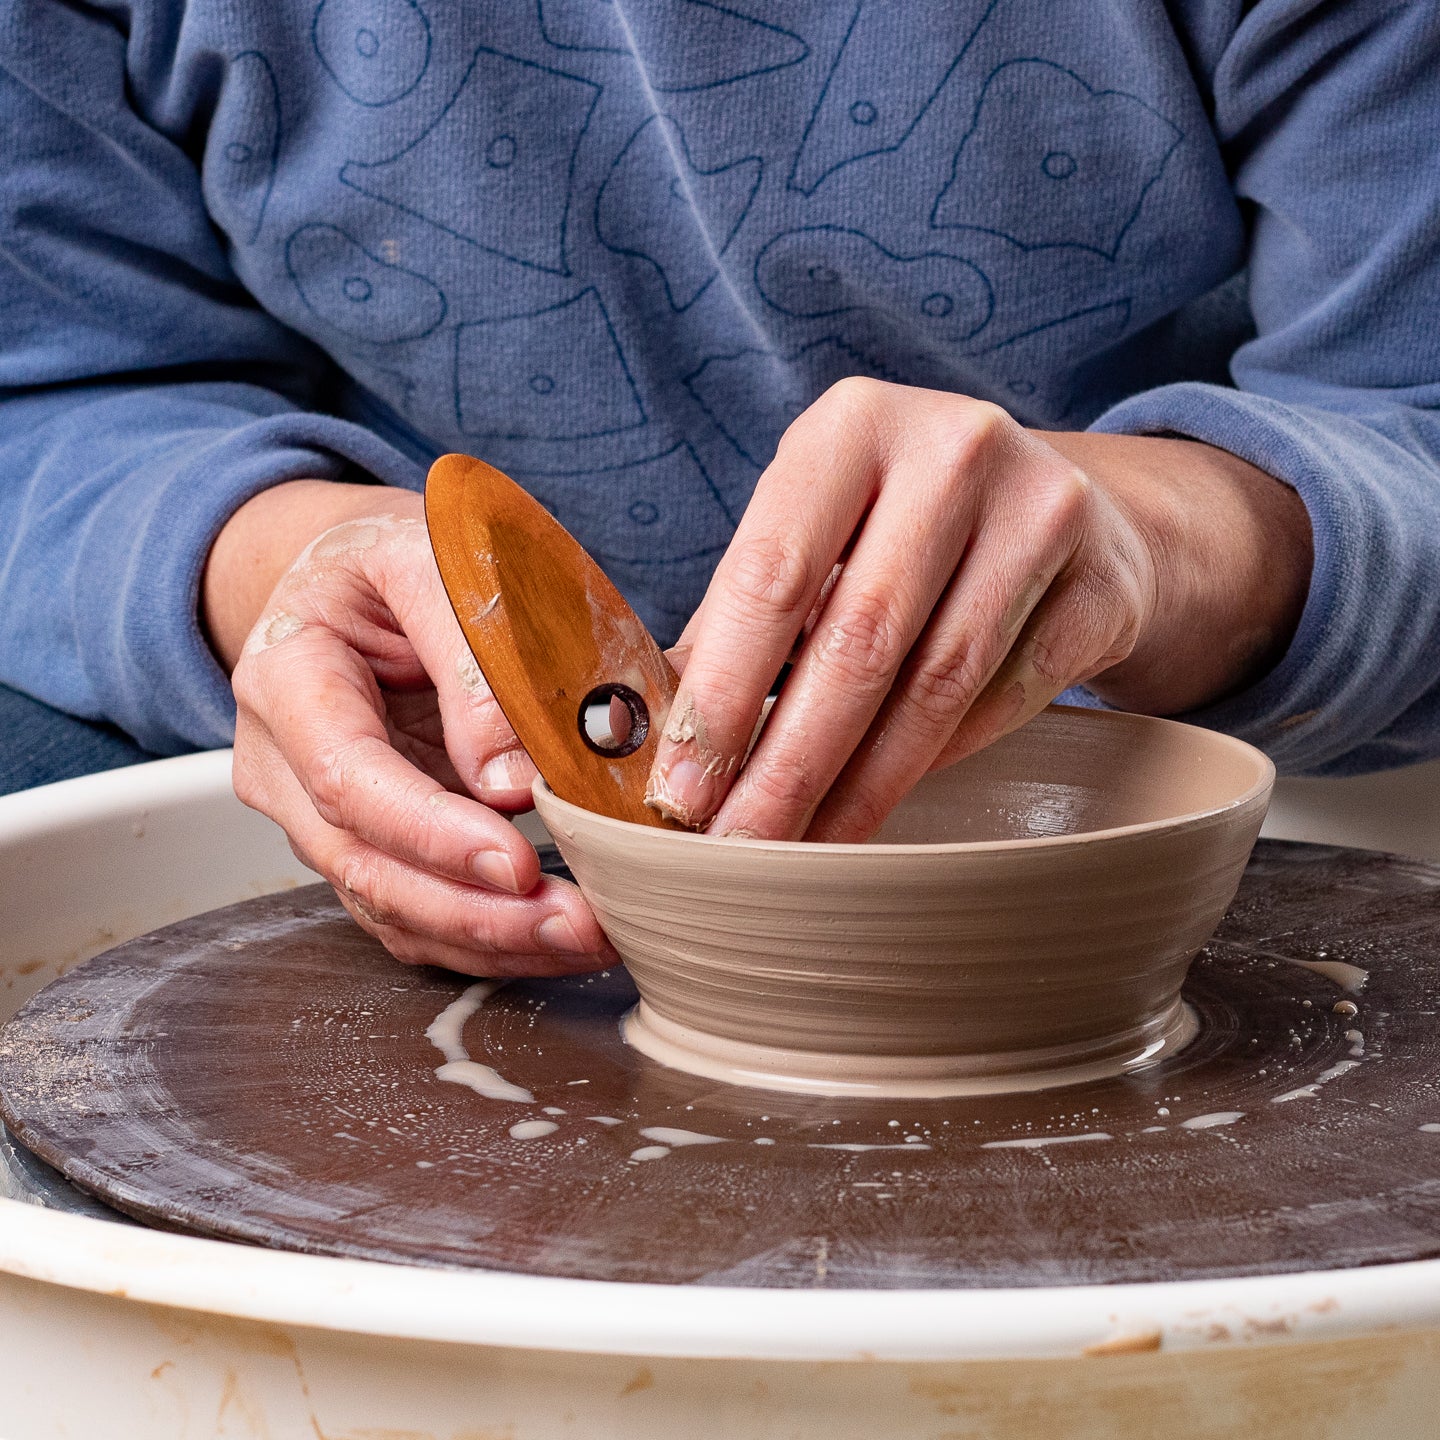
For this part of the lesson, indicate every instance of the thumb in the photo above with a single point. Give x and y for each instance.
(480, 742)
(485, 751)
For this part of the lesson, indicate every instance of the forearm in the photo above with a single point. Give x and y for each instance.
(1232, 549)
(265, 536)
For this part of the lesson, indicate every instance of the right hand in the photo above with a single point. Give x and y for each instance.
(366, 731)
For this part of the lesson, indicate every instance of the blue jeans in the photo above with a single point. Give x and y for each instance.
(39, 744)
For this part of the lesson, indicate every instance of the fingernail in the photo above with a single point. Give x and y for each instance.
(494, 867)
(555, 932)
(512, 770)
(685, 790)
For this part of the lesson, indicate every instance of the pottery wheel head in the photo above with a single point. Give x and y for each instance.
(267, 1073)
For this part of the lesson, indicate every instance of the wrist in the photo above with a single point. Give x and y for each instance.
(1232, 551)
(263, 539)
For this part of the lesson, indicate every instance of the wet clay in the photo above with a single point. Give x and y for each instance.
(829, 1072)
(1024, 920)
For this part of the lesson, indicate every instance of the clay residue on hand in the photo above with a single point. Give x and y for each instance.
(277, 628)
(684, 725)
(1021, 606)
(352, 537)
(660, 797)
(472, 682)
(345, 539)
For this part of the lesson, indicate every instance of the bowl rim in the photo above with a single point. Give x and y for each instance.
(1261, 788)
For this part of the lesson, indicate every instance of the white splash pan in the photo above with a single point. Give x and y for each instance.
(181, 1337)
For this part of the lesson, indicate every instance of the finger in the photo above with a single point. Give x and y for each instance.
(914, 729)
(324, 713)
(875, 613)
(991, 493)
(485, 751)
(679, 653)
(821, 600)
(1082, 628)
(552, 924)
(966, 643)
(414, 949)
(765, 586)
(255, 770)
(683, 646)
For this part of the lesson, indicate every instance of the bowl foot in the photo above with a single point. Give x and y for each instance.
(817, 1072)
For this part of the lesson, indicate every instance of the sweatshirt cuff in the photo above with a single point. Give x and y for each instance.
(1372, 505)
(149, 662)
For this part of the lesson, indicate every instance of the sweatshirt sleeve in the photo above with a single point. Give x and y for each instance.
(143, 395)
(1328, 115)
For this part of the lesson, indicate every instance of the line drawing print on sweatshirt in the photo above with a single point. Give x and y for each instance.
(700, 44)
(376, 51)
(647, 209)
(525, 122)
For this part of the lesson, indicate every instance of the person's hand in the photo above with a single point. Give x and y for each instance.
(366, 731)
(946, 573)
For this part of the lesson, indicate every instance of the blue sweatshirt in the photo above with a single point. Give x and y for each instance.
(615, 246)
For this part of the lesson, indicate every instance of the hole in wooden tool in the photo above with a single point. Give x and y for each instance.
(613, 720)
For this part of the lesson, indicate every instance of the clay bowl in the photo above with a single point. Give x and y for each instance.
(1024, 919)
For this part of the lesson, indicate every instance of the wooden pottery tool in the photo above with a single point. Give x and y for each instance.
(555, 640)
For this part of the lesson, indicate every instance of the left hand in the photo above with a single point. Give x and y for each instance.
(366, 731)
(947, 573)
